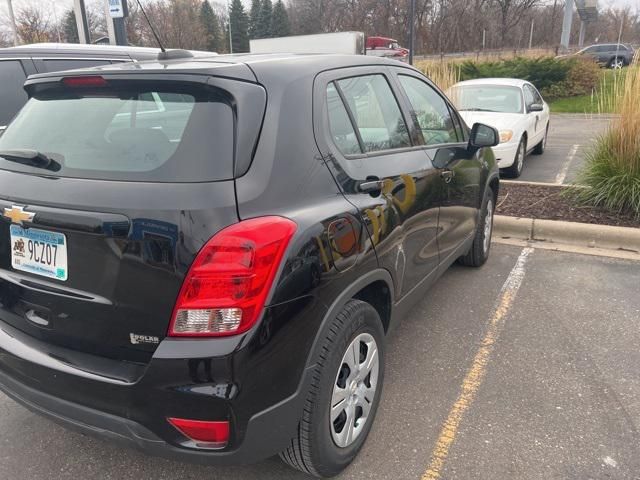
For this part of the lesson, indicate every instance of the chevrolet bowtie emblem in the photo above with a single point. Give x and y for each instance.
(18, 215)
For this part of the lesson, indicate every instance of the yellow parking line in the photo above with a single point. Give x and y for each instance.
(476, 373)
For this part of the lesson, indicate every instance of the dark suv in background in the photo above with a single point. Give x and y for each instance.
(203, 257)
(610, 55)
(17, 63)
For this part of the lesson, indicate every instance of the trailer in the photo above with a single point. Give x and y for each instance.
(349, 43)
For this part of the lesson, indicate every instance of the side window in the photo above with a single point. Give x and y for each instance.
(537, 98)
(431, 111)
(12, 95)
(459, 128)
(342, 132)
(528, 96)
(376, 112)
(58, 65)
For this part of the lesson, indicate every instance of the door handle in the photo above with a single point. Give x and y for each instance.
(36, 318)
(371, 186)
(447, 175)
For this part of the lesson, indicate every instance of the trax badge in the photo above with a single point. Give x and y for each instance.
(18, 215)
(139, 339)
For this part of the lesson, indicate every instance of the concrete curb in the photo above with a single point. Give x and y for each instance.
(568, 233)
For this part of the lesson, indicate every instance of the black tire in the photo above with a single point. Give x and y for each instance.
(540, 148)
(479, 251)
(515, 170)
(616, 61)
(313, 450)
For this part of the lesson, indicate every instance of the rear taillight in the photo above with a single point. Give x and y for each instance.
(205, 434)
(90, 81)
(227, 285)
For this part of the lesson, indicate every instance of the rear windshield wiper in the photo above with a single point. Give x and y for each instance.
(475, 110)
(31, 158)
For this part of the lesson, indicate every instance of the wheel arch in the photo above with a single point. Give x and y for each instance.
(366, 288)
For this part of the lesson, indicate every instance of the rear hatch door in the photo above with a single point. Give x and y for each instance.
(108, 189)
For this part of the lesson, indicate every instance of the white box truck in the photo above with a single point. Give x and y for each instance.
(350, 43)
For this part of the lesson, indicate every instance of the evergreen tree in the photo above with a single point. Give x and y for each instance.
(211, 25)
(239, 23)
(70, 27)
(254, 15)
(280, 26)
(263, 29)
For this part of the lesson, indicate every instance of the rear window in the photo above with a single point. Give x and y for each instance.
(130, 131)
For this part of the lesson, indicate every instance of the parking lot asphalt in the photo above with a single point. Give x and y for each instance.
(524, 369)
(570, 137)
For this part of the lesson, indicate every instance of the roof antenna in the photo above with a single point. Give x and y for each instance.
(164, 55)
(153, 30)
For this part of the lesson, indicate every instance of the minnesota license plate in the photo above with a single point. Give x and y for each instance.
(39, 252)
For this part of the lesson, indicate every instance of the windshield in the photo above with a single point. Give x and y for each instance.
(487, 98)
(136, 131)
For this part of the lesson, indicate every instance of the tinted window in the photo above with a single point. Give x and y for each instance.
(431, 111)
(340, 125)
(12, 95)
(58, 65)
(140, 132)
(376, 113)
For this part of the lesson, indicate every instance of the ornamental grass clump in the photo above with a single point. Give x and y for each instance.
(612, 170)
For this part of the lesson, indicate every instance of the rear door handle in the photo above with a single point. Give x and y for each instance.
(371, 186)
(447, 175)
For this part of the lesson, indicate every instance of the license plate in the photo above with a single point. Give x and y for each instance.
(39, 252)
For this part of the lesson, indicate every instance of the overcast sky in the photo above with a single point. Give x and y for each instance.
(60, 6)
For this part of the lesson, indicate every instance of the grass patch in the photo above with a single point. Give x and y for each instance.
(602, 100)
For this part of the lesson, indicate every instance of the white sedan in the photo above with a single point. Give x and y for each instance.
(515, 108)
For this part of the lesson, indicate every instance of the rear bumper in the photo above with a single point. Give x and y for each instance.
(267, 432)
(257, 382)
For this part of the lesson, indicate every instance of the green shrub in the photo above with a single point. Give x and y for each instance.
(582, 79)
(542, 72)
(554, 77)
(612, 170)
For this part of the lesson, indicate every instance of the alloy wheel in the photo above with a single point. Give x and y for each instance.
(520, 158)
(354, 390)
(488, 226)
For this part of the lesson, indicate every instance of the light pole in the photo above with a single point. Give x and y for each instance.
(12, 20)
(566, 25)
(412, 33)
(81, 21)
(230, 33)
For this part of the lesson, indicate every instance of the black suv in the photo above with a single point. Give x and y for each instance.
(17, 63)
(611, 55)
(203, 257)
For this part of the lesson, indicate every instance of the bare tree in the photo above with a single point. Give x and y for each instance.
(34, 25)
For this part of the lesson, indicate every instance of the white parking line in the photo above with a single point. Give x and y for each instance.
(476, 373)
(565, 168)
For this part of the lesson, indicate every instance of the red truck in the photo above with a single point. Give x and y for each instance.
(386, 47)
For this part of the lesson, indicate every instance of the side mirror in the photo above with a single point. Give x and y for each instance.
(2, 129)
(536, 107)
(483, 136)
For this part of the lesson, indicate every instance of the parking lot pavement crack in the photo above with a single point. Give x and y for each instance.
(477, 371)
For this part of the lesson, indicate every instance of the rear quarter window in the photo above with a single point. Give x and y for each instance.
(131, 131)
